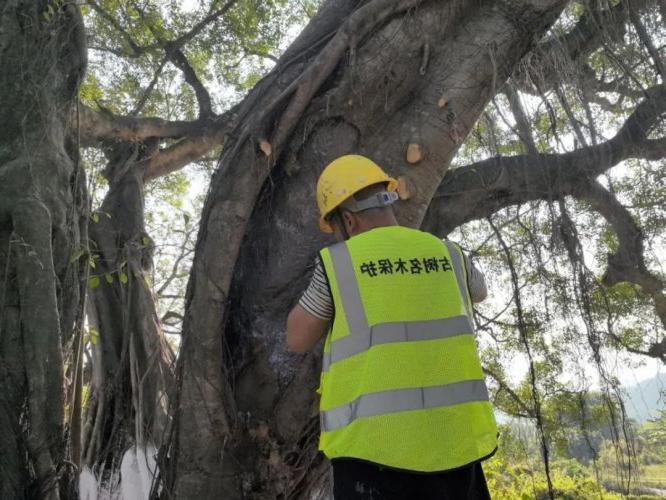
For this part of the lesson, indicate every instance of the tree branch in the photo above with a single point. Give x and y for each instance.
(627, 263)
(136, 49)
(503, 386)
(645, 39)
(524, 131)
(174, 54)
(543, 68)
(201, 25)
(190, 148)
(146, 94)
(478, 190)
(101, 126)
(177, 57)
(179, 42)
(196, 138)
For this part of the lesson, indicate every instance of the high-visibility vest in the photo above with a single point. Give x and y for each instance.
(401, 381)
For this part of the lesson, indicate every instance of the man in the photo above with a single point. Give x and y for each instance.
(404, 406)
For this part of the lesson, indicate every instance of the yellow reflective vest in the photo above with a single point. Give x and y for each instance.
(401, 381)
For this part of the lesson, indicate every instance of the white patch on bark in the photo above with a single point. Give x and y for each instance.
(137, 470)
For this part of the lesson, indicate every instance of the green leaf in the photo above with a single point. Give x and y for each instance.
(77, 255)
(145, 240)
(123, 278)
(95, 217)
(108, 277)
(93, 282)
(93, 336)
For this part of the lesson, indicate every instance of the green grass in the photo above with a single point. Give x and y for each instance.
(650, 476)
(653, 476)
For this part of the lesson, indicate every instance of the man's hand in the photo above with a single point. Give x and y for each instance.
(304, 329)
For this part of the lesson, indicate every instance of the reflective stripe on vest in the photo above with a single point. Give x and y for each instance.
(386, 333)
(363, 336)
(418, 398)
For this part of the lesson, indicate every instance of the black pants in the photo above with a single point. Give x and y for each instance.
(359, 480)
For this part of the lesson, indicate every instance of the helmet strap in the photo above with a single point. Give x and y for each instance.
(377, 200)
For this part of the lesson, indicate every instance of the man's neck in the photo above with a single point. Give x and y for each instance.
(375, 225)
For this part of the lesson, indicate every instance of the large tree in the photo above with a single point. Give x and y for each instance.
(403, 82)
(555, 96)
(42, 225)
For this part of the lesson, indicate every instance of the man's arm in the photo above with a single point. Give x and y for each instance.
(309, 320)
(304, 330)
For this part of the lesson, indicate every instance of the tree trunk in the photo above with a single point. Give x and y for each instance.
(132, 361)
(373, 79)
(42, 202)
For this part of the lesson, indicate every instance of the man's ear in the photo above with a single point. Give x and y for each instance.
(348, 220)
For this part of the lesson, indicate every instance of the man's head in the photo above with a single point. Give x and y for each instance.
(354, 195)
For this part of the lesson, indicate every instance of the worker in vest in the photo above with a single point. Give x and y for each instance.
(404, 408)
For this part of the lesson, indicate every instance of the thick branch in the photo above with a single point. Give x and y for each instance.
(190, 148)
(196, 138)
(177, 57)
(478, 190)
(175, 54)
(543, 68)
(481, 189)
(182, 153)
(654, 149)
(102, 126)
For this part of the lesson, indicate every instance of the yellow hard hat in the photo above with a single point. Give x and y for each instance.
(343, 178)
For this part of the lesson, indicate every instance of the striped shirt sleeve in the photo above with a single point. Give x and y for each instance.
(476, 282)
(317, 298)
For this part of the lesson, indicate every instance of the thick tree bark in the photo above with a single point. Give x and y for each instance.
(371, 79)
(42, 199)
(132, 362)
